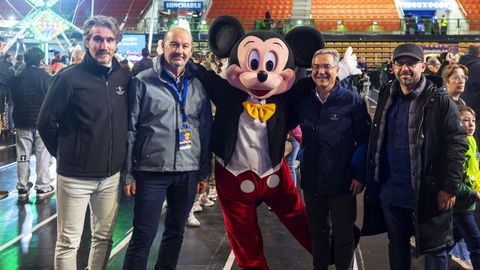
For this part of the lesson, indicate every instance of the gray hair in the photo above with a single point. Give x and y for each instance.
(104, 21)
(334, 53)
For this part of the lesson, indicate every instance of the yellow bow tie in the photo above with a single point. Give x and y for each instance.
(259, 111)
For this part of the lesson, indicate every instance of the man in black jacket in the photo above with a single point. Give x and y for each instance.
(83, 123)
(28, 92)
(415, 164)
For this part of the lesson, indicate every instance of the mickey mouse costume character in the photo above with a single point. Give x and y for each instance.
(250, 128)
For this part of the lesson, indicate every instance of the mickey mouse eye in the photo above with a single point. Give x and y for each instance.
(270, 61)
(253, 60)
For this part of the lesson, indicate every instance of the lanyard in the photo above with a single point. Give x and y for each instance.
(176, 93)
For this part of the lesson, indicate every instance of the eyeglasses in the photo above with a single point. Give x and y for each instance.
(409, 64)
(325, 67)
(460, 78)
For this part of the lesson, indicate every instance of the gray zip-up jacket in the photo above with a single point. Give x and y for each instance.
(154, 121)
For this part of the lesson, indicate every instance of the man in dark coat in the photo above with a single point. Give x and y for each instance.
(28, 92)
(83, 123)
(415, 164)
(143, 64)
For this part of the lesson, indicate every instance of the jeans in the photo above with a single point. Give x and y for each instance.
(400, 228)
(73, 197)
(466, 224)
(180, 189)
(340, 211)
(26, 140)
(292, 157)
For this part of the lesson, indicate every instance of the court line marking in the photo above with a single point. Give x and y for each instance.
(8, 165)
(36, 227)
(229, 262)
(360, 254)
(122, 244)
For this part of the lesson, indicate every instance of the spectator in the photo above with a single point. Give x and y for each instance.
(77, 57)
(74, 46)
(431, 72)
(455, 77)
(268, 20)
(415, 164)
(19, 65)
(363, 84)
(333, 165)
(362, 64)
(125, 65)
(83, 123)
(2, 46)
(217, 64)
(56, 63)
(436, 27)
(471, 95)
(468, 193)
(28, 92)
(386, 72)
(433, 65)
(295, 138)
(443, 25)
(145, 63)
(7, 73)
(170, 112)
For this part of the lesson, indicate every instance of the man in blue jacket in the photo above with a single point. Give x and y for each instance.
(335, 125)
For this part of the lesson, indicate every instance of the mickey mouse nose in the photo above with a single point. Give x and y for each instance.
(262, 76)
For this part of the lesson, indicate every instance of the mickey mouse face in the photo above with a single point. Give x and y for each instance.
(261, 69)
(262, 62)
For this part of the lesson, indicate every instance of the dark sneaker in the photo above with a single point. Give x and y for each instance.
(24, 192)
(43, 194)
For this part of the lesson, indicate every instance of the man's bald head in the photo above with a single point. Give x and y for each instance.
(77, 56)
(177, 31)
(177, 49)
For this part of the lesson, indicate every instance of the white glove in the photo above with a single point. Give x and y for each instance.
(348, 65)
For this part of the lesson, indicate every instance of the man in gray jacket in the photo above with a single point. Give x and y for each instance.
(168, 134)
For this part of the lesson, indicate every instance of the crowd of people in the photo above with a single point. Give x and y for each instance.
(147, 131)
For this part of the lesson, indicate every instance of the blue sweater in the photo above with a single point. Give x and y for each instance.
(395, 167)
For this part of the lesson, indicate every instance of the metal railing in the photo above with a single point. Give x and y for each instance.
(331, 26)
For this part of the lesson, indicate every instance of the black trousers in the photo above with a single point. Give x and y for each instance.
(331, 218)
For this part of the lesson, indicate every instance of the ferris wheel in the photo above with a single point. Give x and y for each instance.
(42, 23)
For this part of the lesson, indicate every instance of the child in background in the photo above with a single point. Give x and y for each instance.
(468, 194)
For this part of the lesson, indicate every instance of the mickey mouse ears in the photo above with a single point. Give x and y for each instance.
(223, 34)
(304, 41)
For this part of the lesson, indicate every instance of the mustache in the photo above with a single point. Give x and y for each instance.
(102, 52)
(177, 54)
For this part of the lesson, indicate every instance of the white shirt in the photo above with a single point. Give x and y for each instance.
(251, 149)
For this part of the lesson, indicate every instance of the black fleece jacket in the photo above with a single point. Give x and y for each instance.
(83, 120)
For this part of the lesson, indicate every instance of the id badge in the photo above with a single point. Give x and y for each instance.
(184, 139)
